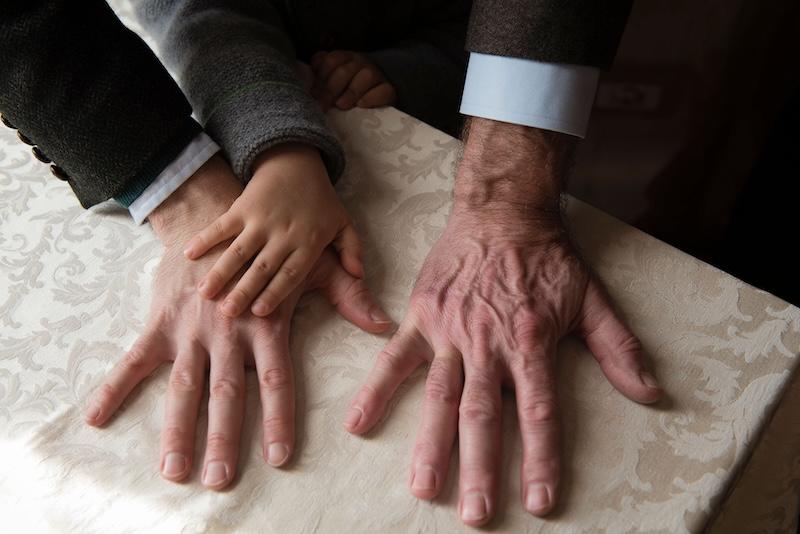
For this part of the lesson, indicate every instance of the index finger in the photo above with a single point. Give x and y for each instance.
(147, 353)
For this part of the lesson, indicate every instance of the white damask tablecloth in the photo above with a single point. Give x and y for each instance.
(74, 291)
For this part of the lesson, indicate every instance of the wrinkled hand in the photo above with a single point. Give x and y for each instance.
(191, 332)
(488, 309)
(347, 79)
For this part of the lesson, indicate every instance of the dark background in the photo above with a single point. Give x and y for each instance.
(694, 137)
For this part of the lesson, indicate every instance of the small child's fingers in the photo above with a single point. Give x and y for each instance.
(348, 244)
(382, 95)
(242, 249)
(364, 80)
(256, 278)
(339, 79)
(291, 274)
(316, 60)
(222, 229)
(327, 62)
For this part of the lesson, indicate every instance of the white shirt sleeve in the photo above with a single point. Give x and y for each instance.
(173, 176)
(551, 96)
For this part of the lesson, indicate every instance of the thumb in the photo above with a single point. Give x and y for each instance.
(348, 244)
(618, 351)
(349, 295)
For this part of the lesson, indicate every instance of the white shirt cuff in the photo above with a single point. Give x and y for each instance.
(173, 176)
(551, 96)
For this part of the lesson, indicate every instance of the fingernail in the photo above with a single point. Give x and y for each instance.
(353, 418)
(473, 507)
(277, 453)
(378, 315)
(424, 478)
(174, 464)
(216, 473)
(537, 499)
(648, 379)
(202, 285)
(229, 308)
(188, 252)
(92, 413)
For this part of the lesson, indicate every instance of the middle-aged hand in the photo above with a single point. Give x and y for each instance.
(347, 79)
(191, 332)
(496, 293)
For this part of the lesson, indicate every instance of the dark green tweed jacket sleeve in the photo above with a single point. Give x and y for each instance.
(579, 32)
(90, 94)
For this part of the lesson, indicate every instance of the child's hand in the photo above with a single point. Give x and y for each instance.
(348, 79)
(286, 216)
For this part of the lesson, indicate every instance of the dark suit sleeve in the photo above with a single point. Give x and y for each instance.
(428, 67)
(90, 94)
(579, 32)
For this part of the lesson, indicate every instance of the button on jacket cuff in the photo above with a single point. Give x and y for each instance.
(551, 96)
(173, 176)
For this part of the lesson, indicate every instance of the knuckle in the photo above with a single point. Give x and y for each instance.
(369, 397)
(531, 326)
(183, 380)
(218, 227)
(273, 379)
(389, 359)
(134, 361)
(479, 411)
(538, 412)
(237, 250)
(630, 344)
(107, 394)
(439, 390)
(173, 436)
(224, 388)
(218, 442)
(261, 267)
(292, 274)
(274, 424)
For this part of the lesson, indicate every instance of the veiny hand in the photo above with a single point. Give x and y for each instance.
(495, 295)
(287, 215)
(348, 79)
(191, 332)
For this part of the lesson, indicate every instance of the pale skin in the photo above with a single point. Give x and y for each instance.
(286, 216)
(289, 211)
(200, 341)
(496, 293)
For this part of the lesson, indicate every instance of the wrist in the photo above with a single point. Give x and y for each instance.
(280, 157)
(196, 203)
(513, 170)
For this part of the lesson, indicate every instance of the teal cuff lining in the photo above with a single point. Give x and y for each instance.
(136, 186)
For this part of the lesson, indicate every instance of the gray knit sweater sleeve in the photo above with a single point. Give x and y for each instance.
(236, 65)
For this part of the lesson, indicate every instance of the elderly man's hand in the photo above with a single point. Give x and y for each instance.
(196, 336)
(496, 293)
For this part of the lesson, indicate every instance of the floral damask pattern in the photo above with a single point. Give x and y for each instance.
(74, 291)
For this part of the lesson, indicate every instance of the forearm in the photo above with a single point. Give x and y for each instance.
(512, 170)
(237, 66)
(96, 101)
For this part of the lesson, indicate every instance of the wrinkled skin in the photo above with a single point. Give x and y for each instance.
(198, 339)
(490, 304)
